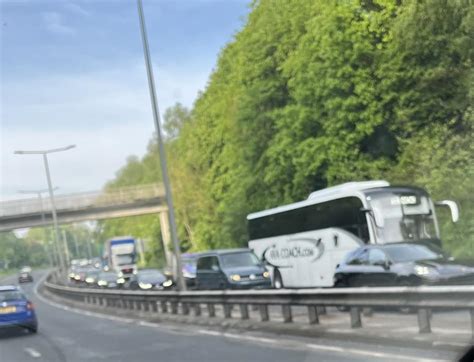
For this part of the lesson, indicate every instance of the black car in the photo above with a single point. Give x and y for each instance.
(108, 279)
(401, 264)
(149, 279)
(231, 269)
(25, 275)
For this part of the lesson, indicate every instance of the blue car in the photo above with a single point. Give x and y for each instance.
(16, 310)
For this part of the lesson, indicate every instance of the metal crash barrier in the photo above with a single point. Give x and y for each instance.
(423, 299)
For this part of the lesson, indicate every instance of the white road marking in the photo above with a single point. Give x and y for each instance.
(361, 352)
(32, 352)
(211, 333)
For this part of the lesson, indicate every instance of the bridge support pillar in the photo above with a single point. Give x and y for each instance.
(424, 324)
(356, 321)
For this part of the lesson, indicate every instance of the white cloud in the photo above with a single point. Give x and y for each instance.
(54, 22)
(106, 113)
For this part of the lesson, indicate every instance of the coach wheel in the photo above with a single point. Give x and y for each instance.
(277, 281)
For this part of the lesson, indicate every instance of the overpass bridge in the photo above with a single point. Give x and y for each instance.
(86, 206)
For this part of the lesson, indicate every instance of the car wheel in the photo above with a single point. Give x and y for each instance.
(32, 329)
(277, 280)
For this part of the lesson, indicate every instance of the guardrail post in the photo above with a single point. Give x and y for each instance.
(424, 320)
(197, 309)
(164, 306)
(211, 310)
(227, 310)
(263, 312)
(154, 306)
(185, 308)
(471, 312)
(313, 315)
(356, 321)
(174, 307)
(146, 306)
(244, 311)
(286, 311)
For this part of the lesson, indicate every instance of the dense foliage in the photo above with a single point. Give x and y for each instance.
(312, 93)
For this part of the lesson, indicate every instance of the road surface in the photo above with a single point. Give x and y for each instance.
(74, 335)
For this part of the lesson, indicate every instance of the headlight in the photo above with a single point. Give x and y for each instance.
(90, 280)
(235, 277)
(266, 274)
(77, 277)
(145, 285)
(120, 274)
(102, 283)
(168, 283)
(120, 281)
(424, 270)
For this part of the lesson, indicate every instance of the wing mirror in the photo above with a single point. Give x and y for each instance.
(383, 263)
(453, 207)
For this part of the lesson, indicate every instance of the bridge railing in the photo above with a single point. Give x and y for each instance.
(82, 200)
(423, 299)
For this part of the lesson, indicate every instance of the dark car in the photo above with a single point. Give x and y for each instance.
(149, 279)
(16, 310)
(231, 269)
(91, 277)
(25, 275)
(108, 279)
(401, 264)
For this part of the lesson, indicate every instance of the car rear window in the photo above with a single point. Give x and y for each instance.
(11, 295)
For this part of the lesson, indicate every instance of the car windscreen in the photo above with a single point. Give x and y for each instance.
(11, 295)
(150, 274)
(108, 276)
(407, 253)
(239, 260)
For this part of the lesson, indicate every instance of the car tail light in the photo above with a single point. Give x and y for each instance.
(30, 306)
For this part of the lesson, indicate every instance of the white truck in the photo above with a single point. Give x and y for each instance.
(120, 254)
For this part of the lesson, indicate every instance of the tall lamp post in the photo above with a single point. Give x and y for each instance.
(40, 193)
(164, 168)
(57, 234)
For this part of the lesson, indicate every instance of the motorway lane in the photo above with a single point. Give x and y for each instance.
(69, 336)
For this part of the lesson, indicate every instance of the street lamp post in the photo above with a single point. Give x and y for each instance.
(164, 169)
(45, 153)
(40, 193)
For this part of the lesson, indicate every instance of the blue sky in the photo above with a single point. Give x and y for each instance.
(72, 72)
